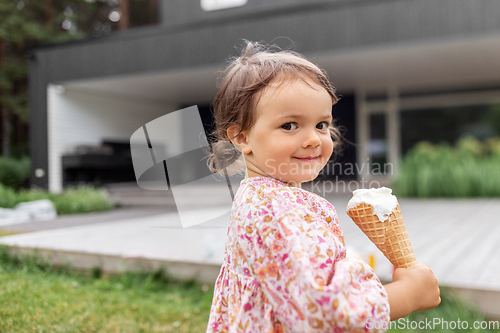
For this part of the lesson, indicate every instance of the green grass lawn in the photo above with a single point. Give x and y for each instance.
(37, 297)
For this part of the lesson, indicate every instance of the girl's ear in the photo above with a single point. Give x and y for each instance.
(239, 139)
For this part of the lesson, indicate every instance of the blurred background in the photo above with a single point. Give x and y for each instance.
(98, 70)
(419, 88)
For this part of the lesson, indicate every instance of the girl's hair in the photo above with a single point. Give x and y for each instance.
(243, 82)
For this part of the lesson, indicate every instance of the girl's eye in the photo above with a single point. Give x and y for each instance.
(289, 126)
(322, 125)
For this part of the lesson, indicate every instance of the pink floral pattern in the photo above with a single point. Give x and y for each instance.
(285, 268)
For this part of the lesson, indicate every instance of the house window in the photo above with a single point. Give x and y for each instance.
(448, 124)
(377, 145)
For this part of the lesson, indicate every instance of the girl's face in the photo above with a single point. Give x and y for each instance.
(290, 139)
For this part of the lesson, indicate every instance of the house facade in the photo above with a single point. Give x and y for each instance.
(406, 71)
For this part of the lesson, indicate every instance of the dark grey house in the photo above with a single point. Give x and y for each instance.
(406, 70)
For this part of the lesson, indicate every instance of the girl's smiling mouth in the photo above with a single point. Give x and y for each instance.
(308, 158)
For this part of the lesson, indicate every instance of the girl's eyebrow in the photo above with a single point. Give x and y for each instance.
(299, 116)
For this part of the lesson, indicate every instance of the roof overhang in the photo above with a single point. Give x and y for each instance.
(425, 66)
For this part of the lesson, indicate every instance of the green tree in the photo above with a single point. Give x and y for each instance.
(27, 23)
(24, 24)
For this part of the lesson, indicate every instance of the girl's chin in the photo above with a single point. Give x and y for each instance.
(298, 179)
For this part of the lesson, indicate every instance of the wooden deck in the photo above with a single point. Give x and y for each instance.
(459, 239)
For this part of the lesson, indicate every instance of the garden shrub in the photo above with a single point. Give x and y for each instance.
(84, 199)
(8, 198)
(14, 172)
(470, 169)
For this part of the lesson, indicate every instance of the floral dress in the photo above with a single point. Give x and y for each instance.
(285, 268)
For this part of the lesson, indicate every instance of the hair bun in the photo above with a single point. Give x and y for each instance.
(226, 156)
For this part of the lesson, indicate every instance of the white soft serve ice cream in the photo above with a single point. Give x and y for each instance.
(381, 199)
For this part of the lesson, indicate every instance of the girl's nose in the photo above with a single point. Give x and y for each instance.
(311, 139)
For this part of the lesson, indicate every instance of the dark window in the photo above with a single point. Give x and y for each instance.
(438, 125)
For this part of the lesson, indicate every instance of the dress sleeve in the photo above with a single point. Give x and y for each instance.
(281, 260)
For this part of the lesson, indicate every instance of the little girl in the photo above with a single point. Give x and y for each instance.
(285, 268)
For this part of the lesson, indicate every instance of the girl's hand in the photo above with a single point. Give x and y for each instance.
(413, 289)
(422, 284)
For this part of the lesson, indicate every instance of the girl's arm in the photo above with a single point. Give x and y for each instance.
(284, 263)
(413, 289)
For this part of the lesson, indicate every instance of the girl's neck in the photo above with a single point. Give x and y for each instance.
(252, 174)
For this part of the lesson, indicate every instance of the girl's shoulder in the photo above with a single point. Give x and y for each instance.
(261, 200)
(266, 189)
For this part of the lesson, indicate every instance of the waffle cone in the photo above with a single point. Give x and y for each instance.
(389, 236)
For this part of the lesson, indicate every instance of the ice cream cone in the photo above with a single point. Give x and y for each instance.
(389, 236)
